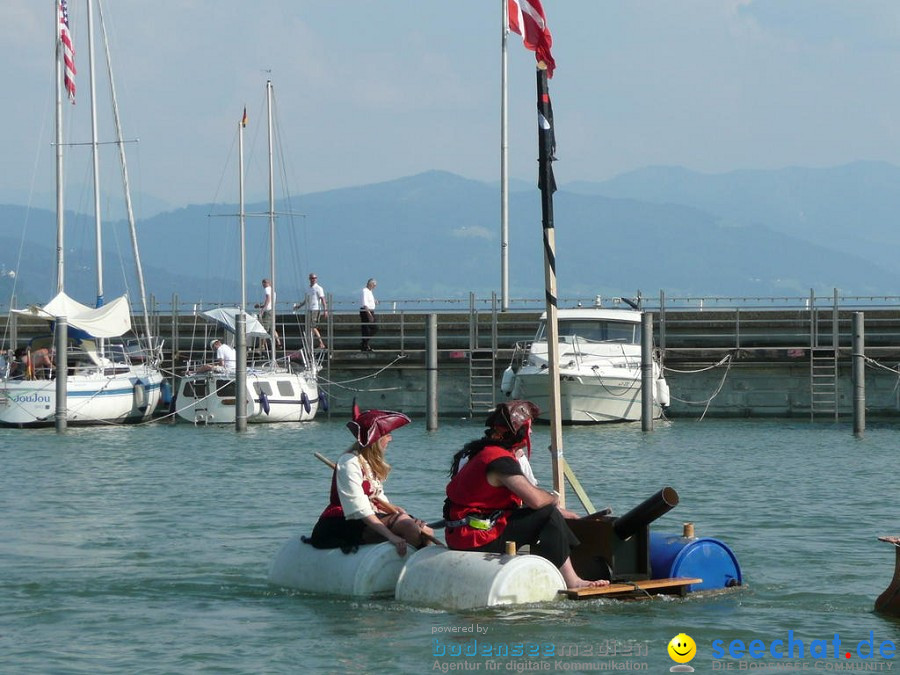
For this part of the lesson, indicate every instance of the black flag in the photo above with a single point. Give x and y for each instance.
(546, 137)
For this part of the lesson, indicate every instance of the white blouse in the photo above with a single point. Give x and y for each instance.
(351, 473)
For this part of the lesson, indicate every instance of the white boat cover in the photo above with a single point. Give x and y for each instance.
(225, 317)
(111, 320)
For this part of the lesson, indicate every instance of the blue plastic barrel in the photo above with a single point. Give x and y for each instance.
(672, 555)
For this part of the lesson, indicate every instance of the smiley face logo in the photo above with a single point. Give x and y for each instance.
(682, 649)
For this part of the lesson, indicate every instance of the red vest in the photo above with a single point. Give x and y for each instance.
(334, 508)
(470, 493)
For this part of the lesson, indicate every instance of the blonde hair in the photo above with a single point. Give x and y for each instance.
(374, 455)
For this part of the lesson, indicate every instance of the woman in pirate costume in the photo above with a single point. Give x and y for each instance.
(490, 501)
(359, 512)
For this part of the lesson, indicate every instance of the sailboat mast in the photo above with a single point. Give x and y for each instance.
(271, 212)
(504, 163)
(60, 205)
(120, 142)
(95, 154)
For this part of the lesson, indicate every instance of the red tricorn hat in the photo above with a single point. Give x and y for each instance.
(367, 427)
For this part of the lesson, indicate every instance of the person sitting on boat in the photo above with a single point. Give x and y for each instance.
(226, 358)
(359, 512)
(17, 364)
(32, 364)
(490, 501)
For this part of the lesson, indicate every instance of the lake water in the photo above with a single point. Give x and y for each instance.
(145, 549)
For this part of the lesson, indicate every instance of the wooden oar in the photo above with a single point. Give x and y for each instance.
(384, 506)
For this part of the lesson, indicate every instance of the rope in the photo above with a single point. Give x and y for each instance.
(728, 359)
(725, 358)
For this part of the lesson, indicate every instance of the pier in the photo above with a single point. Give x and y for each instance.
(724, 357)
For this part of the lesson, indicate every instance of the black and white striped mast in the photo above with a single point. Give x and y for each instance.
(547, 184)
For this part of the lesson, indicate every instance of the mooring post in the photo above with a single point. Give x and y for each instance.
(431, 369)
(647, 371)
(240, 375)
(62, 372)
(859, 374)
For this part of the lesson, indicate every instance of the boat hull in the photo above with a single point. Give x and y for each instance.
(127, 397)
(209, 398)
(585, 400)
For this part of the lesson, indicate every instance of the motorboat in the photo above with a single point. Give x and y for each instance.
(599, 367)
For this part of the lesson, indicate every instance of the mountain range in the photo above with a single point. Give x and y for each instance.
(437, 235)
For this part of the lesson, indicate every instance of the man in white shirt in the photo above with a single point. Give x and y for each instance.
(315, 300)
(367, 304)
(267, 315)
(226, 358)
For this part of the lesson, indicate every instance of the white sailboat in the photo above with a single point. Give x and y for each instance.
(105, 383)
(277, 391)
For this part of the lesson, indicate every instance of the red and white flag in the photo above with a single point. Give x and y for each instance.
(526, 17)
(68, 52)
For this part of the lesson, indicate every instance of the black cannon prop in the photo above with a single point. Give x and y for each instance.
(619, 548)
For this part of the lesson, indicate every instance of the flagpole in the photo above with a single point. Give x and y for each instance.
(548, 187)
(60, 204)
(504, 164)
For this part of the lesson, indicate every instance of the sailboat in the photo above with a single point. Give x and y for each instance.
(106, 381)
(277, 391)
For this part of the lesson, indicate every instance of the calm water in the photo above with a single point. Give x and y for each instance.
(145, 549)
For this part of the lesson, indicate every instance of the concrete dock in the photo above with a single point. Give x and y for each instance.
(718, 361)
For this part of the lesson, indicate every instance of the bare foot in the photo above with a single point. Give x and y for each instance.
(574, 581)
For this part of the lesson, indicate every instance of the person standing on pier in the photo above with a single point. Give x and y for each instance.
(367, 304)
(315, 300)
(268, 310)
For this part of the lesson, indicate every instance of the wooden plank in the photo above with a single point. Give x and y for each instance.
(576, 486)
(676, 584)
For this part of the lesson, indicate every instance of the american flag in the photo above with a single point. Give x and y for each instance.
(526, 17)
(65, 39)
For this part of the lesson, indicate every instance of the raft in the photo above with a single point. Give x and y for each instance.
(438, 577)
(370, 572)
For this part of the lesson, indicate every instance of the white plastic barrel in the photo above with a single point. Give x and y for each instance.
(437, 577)
(371, 571)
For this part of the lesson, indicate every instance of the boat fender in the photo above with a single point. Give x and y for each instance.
(662, 392)
(173, 405)
(323, 401)
(264, 402)
(139, 396)
(304, 399)
(165, 392)
(506, 383)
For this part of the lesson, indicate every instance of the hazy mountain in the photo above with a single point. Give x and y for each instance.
(437, 235)
(853, 208)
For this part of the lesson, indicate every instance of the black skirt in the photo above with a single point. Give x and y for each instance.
(347, 535)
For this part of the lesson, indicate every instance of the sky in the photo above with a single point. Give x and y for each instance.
(371, 91)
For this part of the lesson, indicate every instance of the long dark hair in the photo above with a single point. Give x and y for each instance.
(493, 436)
